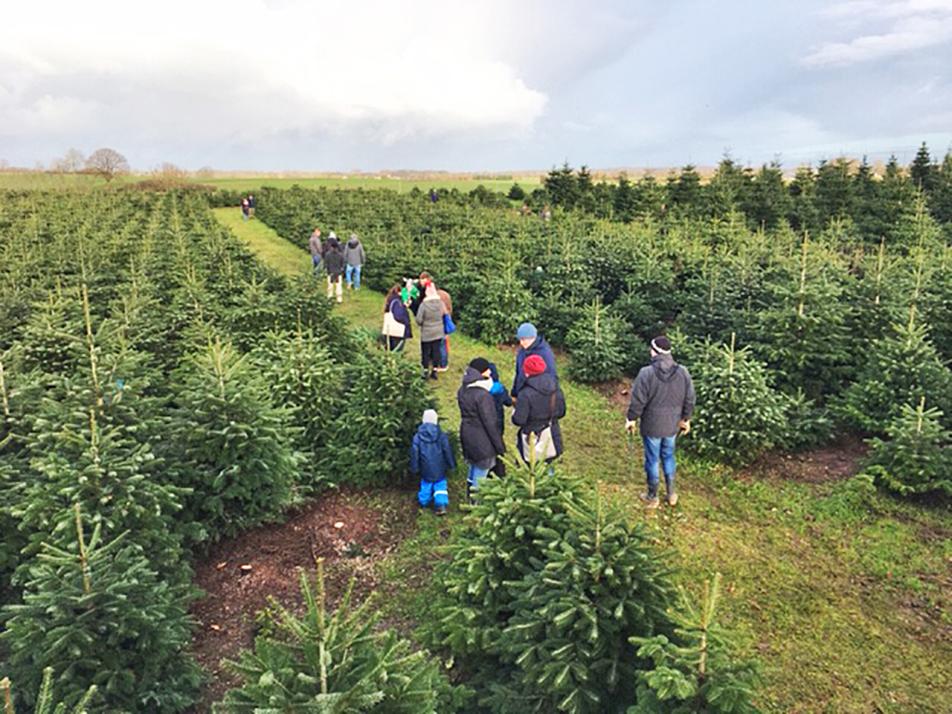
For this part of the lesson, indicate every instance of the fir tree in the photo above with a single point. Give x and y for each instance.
(804, 215)
(739, 414)
(940, 199)
(768, 201)
(922, 172)
(686, 195)
(235, 447)
(900, 368)
(45, 701)
(652, 197)
(916, 457)
(98, 614)
(625, 203)
(596, 345)
(501, 304)
(834, 195)
(695, 670)
(336, 662)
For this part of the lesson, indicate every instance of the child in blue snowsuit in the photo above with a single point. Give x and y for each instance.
(432, 458)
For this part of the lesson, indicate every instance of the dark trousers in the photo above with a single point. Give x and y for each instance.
(430, 353)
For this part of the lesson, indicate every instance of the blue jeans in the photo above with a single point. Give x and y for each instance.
(476, 475)
(352, 276)
(444, 353)
(434, 491)
(659, 449)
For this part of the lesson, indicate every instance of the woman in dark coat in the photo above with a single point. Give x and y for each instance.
(394, 305)
(334, 265)
(478, 430)
(540, 404)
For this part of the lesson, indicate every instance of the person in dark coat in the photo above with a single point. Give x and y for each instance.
(252, 204)
(393, 304)
(540, 405)
(334, 265)
(432, 459)
(531, 343)
(478, 429)
(662, 398)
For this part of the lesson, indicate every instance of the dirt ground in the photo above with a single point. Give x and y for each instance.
(834, 462)
(351, 532)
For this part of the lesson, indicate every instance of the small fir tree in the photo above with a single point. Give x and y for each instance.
(45, 700)
(336, 662)
(98, 614)
(916, 456)
(235, 447)
(739, 415)
(596, 345)
(696, 669)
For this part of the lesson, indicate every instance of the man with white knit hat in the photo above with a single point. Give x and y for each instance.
(662, 398)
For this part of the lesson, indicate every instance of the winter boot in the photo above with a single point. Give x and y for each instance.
(650, 501)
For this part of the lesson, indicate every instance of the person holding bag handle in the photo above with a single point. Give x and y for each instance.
(396, 321)
(540, 406)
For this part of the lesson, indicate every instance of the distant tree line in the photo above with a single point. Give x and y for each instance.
(837, 190)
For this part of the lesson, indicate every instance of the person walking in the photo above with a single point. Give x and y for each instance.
(430, 319)
(252, 203)
(479, 435)
(431, 458)
(334, 265)
(444, 364)
(355, 257)
(540, 406)
(531, 343)
(393, 305)
(317, 250)
(245, 209)
(662, 399)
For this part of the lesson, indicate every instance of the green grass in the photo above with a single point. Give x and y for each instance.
(843, 593)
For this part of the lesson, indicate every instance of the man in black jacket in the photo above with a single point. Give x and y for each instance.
(478, 430)
(662, 397)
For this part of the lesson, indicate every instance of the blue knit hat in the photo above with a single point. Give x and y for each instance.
(526, 330)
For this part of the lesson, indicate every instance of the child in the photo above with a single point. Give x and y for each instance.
(432, 458)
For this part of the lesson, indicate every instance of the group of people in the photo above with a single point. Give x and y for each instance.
(248, 207)
(342, 262)
(661, 405)
(431, 308)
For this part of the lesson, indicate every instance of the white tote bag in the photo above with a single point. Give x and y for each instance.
(392, 327)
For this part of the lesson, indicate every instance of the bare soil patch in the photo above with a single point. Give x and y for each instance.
(351, 531)
(835, 462)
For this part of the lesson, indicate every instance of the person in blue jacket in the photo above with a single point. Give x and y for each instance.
(531, 343)
(432, 459)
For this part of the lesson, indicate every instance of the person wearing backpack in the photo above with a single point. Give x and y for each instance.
(432, 459)
(540, 406)
(479, 435)
(662, 399)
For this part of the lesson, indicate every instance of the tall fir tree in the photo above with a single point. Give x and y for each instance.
(804, 215)
(768, 201)
(834, 195)
(922, 172)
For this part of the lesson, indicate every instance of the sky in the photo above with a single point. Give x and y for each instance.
(473, 86)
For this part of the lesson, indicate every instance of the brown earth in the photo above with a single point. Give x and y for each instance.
(834, 462)
(352, 531)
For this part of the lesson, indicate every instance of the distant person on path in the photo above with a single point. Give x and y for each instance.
(355, 257)
(531, 343)
(540, 406)
(430, 319)
(479, 435)
(317, 250)
(434, 196)
(393, 304)
(245, 209)
(662, 397)
(432, 459)
(251, 206)
(334, 265)
(444, 364)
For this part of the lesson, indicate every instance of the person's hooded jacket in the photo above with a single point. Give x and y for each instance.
(354, 254)
(430, 318)
(662, 395)
(540, 404)
(478, 430)
(430, 454)
(333, 259)
(539, 347)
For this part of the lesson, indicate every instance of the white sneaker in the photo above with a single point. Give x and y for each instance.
(650, 501)
(673, 499)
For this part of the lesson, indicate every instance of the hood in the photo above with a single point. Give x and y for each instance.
(353, 243)
(428, 432)
(543, 383)
(536, 344)
(472, 378)
(665, 367)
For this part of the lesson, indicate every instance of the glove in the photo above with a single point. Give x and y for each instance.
(685, 426)
(630, 425)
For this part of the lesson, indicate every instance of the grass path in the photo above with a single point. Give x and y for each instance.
(843, 594)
